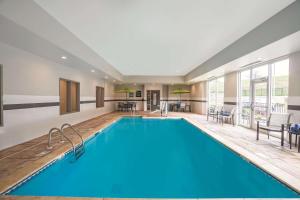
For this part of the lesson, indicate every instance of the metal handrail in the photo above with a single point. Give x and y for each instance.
(74, 130)
(62, 136)
(164, 108)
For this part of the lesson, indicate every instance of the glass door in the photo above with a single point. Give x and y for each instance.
(254, 96)
(263, 90)
(260, 104)
(245, 99)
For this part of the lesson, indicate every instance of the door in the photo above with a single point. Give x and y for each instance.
(260, 104)
(245, 99)
(153, 100)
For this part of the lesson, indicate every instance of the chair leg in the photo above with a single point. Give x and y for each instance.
(299, 145)
(268, 134)
(296, 141)
(257, 131)
(282, 134)
(290, 139)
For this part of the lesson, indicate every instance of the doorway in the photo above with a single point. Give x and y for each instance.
(260, 104)
(153, 100)
(262, 90)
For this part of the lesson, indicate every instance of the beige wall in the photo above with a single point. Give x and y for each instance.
(230, 87)
(199, 97)
(230, 91)
(31, 79)
(294, 85)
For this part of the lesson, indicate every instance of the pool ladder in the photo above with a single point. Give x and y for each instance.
(164, 109)
(77, 150)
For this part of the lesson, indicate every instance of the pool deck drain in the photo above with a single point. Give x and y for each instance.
(20, 161)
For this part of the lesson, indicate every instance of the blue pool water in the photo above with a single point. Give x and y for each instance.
(153, 158)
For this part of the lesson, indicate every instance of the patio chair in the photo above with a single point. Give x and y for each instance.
(182, 107)
(214, 111)
(120, 106)
(294, 130)
(227, 116)
(176, 107)
(188, 108)
(276, 123)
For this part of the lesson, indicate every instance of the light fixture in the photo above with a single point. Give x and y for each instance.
(106, 77)
(92, 70)
(114, 80)
(259, 58)
(64, 57)
(212, 77)
(250, 64)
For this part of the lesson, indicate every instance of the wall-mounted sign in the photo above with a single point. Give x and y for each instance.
(138, 93)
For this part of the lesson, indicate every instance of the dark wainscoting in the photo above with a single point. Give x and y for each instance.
(51, 104)
(230, 103)
(293, 107)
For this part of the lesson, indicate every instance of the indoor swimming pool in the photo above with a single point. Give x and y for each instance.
(154, 158)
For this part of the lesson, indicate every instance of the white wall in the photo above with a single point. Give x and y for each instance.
(28, 78)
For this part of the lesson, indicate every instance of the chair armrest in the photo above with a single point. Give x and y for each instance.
(288, 126)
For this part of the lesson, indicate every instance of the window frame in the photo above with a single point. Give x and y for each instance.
(100, 99)
(1, 95)
(69, 96)
(217, 91)
(269, 80)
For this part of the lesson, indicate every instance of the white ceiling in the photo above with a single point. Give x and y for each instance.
(160, 37)
(274, 51)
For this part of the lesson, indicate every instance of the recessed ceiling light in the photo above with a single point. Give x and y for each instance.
(64, 57)
(114, 80)
(259, 58)
(106, 77)
(92, 70)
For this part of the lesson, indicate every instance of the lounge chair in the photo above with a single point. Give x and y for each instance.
(276, 123)
(294, 130)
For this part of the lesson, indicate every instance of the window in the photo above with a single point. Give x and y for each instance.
(99, 97)
(260, 72)
(216, 92)
(245, 98)
(1, 94)
(262, 90)
(69, 96)
(279, 86)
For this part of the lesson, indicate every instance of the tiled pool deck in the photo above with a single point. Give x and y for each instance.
(20, 161)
